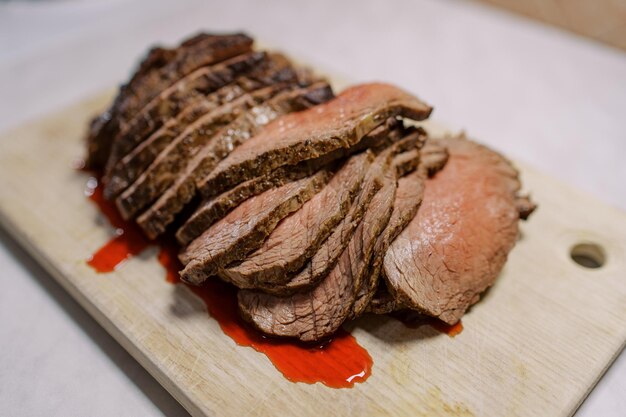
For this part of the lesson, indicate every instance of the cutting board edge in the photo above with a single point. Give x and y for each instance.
(15, 233)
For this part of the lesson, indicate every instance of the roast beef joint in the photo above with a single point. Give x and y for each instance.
(318, 207)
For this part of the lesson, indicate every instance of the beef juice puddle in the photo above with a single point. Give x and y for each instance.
(129, 240)
(337, 363)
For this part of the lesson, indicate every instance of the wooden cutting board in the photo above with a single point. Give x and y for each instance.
(534, 346)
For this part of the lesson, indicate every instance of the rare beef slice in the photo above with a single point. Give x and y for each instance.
(161, 68)
(175, 116)
(456, 245)
(245, 229)
(155, 220)
(298, 236)
(340, 123)
(318, 313)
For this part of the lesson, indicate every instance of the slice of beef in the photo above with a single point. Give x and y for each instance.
(245, 228)
(213, 209)
(433, 156)
(173, 159)
(102, 128)
(408, 198)
(340, 123)
(318, 313)
(160, 69)
(409, 193)
(155, 220)
(382, 301)
(197, 52)
(456, 245)
(275, 70)
(329, 252)
(172, 100)
(298, 236)
(406, 162)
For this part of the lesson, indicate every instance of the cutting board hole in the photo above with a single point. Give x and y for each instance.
(588, 255)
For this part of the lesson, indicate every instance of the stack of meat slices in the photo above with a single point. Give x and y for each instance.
(319, 208)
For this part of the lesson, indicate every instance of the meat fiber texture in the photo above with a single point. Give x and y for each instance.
(318, 313)
(456, 245)
(245, 228)
(298, 236)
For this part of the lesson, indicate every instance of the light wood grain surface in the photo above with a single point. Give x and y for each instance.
(535, 345)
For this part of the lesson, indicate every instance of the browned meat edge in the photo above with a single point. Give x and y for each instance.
(173, 159)
(298, 236)
(173, 99)
(155, 220)
(213, 209)
(160, 69)
(245, 228)
(297, 137)
(178, 115)
(329, 252)
(408, 197)
(433, 157)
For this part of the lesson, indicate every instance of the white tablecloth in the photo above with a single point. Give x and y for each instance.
(540, 95)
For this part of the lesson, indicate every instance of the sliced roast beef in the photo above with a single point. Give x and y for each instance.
(340, 123)
(318, 208)
(433, 156)
(382, 301)
(406, 162)
(102, 128)
(213, 209)
(456, 245)
(409, 193)
(298, 236)
(155, 220)
(244, 229)
(158, 71)
(319, 312)
(275, 70)
(325, 258)
(408, 198)
(172, 100)
(173, 159)
(216, 208)
(197, 52)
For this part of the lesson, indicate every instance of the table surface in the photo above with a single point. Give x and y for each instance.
(538, 94)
